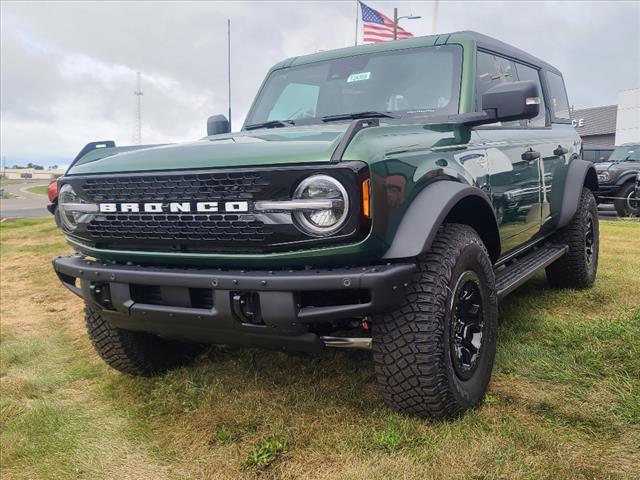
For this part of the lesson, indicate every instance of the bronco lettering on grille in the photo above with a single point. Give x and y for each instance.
(175, 207)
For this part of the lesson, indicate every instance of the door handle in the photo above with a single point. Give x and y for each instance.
(560, 151)
(530, 155)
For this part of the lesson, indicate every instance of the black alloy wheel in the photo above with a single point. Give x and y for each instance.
(467, 325)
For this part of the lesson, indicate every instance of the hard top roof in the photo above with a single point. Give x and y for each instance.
(482, 41)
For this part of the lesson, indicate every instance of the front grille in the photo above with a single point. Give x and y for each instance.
(224, 231)
(239, 185)
(179, 227)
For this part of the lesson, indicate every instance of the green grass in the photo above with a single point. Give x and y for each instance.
(7, 196)
(38, 189)
(564, 400)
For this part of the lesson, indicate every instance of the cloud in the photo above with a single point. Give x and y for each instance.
(68, 70)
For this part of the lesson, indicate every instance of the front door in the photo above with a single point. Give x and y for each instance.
(515, 183)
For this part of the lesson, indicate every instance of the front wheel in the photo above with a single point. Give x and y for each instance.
(434, 355)
(136, 353)
(627, 204)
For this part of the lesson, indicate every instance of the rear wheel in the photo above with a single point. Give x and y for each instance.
(577, 269)
(627, 204)
(137, 353)
(434, 355)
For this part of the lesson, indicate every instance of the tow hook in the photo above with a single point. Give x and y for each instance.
(246, 307)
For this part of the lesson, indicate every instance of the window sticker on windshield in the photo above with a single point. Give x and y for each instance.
(357, 77)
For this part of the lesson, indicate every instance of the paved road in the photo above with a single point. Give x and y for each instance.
(26, 204)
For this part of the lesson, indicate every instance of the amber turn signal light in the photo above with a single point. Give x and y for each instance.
(366, 198)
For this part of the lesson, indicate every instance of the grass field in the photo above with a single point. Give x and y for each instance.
(564, 401)
(38, 189)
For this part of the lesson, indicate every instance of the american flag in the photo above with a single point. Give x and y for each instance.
(378, 27)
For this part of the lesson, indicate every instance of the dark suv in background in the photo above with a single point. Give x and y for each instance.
(596, 153)
(617, 177)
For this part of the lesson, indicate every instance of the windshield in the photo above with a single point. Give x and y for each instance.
(417, 81)
(626, 153)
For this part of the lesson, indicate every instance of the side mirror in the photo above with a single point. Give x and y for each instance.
(217, 124)
(512, 101)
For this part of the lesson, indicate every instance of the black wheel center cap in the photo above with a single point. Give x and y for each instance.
(466, 325)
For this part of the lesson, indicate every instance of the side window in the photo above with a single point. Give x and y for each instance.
(558, 96)
(589, 155)
(493, 70)
(527, 73)
(297, 100)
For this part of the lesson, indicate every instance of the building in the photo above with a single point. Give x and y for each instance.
(611, 124)
(596, 125)
(31, 174)
(628, 117)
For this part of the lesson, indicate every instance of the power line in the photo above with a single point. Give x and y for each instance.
(137, 136)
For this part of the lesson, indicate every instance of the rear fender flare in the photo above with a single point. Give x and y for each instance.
(444, 201)
(580, 174)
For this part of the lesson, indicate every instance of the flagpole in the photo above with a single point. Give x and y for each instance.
(395, 23)
(434, 18)
(357, 14)
(229, 65)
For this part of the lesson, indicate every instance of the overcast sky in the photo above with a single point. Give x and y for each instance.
(68, 70)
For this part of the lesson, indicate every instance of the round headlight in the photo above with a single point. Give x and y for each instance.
(67, 196)
(72, 208)
(316, 221)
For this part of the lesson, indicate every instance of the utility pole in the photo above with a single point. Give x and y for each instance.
(138, 128)
(396, 20)
(229, 66)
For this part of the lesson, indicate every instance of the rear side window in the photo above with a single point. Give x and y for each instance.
(531, 74)
(558, 96)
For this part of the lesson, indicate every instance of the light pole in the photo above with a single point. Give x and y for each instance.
(396, 19)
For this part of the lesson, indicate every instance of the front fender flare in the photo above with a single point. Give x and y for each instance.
(428, 212)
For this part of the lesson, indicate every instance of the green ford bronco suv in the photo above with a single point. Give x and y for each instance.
(384, 197)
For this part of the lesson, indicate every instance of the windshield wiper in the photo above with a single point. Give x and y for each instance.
(348, 116)
(270, 124)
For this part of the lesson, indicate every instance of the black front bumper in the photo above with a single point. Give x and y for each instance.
(606, 192)
(211, 305)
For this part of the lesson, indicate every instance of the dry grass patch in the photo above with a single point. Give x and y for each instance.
(563, 403)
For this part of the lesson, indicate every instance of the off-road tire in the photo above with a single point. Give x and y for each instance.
(136, 353)
(574, 270)
(626, 197)
(411, 346)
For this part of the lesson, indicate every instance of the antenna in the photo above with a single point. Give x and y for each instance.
(137, 136)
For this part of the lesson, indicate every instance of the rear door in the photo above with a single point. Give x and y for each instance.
(514, 161)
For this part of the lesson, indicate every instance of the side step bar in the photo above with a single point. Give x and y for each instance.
(512, 276)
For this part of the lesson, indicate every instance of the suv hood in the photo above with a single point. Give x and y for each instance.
(601, 167)
(279, 146)
(308, 144)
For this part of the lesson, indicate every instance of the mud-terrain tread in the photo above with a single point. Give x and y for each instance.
(571, 270)
(136, 353)
(408, 344)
